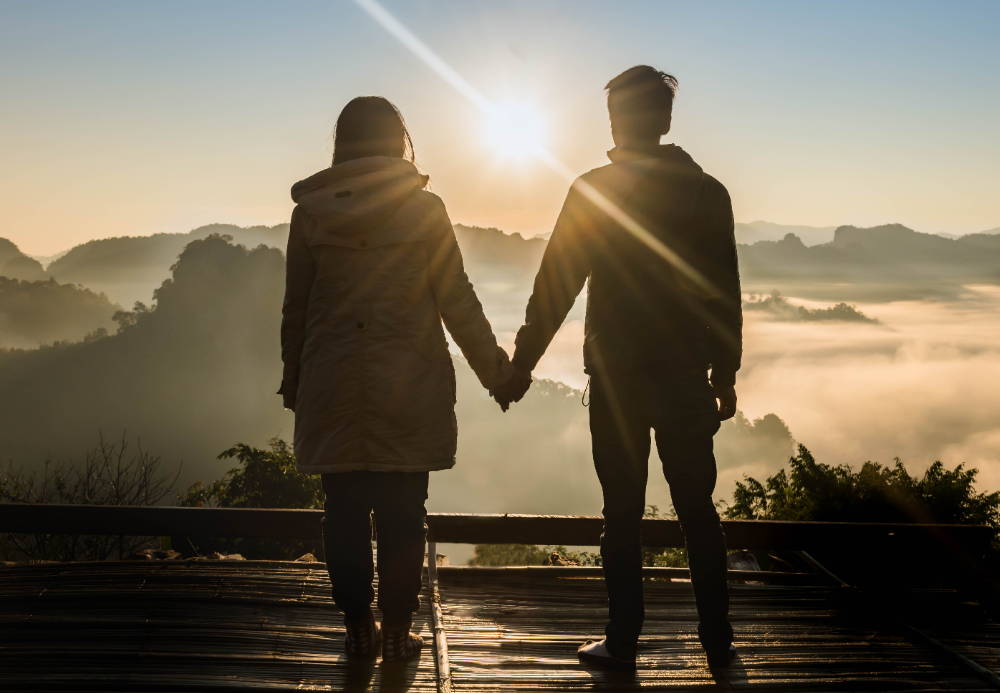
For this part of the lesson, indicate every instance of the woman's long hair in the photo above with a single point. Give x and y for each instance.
(371, 126)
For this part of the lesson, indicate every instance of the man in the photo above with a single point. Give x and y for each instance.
(653, 234)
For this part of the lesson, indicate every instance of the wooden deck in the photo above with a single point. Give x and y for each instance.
(262, 625)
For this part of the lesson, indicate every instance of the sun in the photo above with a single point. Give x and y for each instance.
(515, 130)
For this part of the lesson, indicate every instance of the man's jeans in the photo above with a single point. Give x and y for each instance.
(683, 414)
(397, 500)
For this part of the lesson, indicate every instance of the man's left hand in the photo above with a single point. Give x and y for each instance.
(727, 401)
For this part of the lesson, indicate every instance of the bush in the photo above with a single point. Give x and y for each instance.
(112, 473)
(812, 491)
(875, 493)
(263, 478)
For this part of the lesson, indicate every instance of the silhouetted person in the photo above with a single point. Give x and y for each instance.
(653, 234)
(373, 268)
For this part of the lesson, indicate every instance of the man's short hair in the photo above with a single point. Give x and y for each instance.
(643, 94)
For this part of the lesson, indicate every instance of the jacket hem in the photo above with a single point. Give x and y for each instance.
(375, 467)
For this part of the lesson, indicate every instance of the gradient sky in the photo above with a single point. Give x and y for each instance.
(129, 118)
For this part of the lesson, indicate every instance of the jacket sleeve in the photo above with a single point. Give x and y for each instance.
(460, 308)
(724, 306)
(300, 269)
(562, 274)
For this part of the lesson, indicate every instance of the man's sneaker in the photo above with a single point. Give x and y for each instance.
(363, 637)
(399, 644)
(720, 658)
(596, 653)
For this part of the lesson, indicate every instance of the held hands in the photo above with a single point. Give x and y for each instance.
(513, 389)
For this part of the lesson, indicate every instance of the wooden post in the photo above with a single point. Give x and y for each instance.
(437, 622)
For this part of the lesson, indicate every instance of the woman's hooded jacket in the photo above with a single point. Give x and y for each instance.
(373, 267)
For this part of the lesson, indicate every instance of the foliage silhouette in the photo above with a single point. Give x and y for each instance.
(262, 478)
(111, 473)
(811, 490)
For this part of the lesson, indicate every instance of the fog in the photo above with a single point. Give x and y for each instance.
(923, 384)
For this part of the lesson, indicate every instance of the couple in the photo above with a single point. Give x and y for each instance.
(373, 271)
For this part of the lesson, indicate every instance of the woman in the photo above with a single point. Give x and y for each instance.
(373, 268)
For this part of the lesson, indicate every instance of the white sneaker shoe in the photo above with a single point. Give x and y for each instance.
(596, 653)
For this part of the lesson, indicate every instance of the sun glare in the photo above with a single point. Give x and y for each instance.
(515, 130)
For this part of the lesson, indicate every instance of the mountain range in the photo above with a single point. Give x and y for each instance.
(128, 269)
(886, 262)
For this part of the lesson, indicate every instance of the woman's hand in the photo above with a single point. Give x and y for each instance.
(513, 390)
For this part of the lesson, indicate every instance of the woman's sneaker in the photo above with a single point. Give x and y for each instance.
(399, 644)
(363, 638)
(596, 653)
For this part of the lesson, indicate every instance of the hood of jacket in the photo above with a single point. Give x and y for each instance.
(359, 192)
(669, 154)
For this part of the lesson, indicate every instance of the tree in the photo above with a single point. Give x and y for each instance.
(263, 478)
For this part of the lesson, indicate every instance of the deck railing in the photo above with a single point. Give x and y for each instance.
(570, 530)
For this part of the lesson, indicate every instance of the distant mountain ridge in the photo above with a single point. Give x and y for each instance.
(751, 232)
(879, 253)
(129, 268)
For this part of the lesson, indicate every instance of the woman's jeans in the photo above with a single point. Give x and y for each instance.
(397, 501)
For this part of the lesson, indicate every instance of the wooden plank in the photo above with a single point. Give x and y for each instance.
(455, 528)
(441, 661)
(540, 571)
(522, 636)
(184, 626)
(974, 667)
(231, 626)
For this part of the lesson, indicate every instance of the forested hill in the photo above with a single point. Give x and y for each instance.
(33, 313)
(128, 268)
(16, 265)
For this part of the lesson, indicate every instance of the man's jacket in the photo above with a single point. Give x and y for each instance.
(653, 234)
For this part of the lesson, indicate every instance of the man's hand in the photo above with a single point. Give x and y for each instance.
(726, 395)
(513, 390)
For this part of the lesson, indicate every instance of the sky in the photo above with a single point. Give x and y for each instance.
(125, 118)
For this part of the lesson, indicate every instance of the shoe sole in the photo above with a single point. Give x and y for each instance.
(607, 662)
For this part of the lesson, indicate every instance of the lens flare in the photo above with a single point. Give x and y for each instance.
(515, 130)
